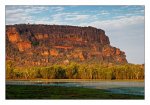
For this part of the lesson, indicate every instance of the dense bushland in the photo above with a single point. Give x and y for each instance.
(76, 71)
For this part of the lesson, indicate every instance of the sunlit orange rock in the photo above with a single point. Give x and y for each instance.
(22, 46)
(45, 53)
(13, 35)
(108, 51)
(118, 52)
(63, 47)
(53, 52)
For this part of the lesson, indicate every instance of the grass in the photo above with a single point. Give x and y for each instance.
(56, 92)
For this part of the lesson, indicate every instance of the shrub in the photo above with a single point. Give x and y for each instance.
(76, 71)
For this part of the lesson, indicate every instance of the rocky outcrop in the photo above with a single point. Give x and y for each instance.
(13, 35)
(22, 46)
(53, 52)
(48, 44)
(15, 38)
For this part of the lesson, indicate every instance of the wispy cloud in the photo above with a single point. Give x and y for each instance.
(27, 14)
(57, 9)
(72, 16)
(104, 12)
(117, 24)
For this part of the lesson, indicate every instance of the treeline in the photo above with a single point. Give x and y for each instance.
(76, 71)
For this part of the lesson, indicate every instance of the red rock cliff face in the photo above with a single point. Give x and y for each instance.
(13, 35)
(15, 38)
(48, 44)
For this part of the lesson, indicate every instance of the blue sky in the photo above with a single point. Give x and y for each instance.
(123, 24)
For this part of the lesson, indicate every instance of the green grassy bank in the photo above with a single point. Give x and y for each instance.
(54, 92)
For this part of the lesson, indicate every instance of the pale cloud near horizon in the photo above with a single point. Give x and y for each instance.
(123, 24)
(116, 24)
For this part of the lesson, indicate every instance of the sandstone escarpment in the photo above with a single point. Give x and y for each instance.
(48, 44)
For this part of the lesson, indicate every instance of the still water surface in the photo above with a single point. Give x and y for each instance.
(120, 87)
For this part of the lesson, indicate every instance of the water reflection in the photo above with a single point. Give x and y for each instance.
(136, 88)
(128, 90)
